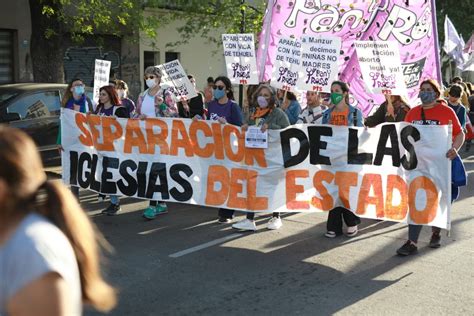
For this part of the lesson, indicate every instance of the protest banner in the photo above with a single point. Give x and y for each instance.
(240, 60)
(412, 24)
(287, 63)
(381, 68)
(101, 76)
(397, 172)
(319, 62)
(176, 80)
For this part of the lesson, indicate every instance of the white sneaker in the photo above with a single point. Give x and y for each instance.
(274, 223)
(245, 224)
(352, 231)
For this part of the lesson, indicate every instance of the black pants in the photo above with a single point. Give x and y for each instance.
(335, 217)
(226, 213)
(251, 215)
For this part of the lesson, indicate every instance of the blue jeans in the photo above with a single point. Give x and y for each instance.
(415, 230)
(114, 199)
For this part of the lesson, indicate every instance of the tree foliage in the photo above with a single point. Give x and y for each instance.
(460, 13)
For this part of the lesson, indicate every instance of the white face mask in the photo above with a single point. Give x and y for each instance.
(150, 83)
(121, 94)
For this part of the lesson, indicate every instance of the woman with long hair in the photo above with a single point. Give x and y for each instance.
(49, 256)
(432, 111)
(343, 114)
(394, 109)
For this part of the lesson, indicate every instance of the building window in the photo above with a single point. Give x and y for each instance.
(151, 59)
(170, 56)
(6, 56)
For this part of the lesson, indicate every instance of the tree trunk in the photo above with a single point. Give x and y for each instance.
(46, 54)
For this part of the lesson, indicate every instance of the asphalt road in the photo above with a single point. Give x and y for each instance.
(184, 263)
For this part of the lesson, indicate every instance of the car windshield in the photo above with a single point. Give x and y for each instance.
(7, 95)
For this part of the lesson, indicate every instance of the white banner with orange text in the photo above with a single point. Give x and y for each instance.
(397, 172)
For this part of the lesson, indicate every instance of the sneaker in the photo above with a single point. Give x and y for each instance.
(101, 198)
(224, 220)
(161, 208)
(408, 248)
(112, 209)
(149, 212)
(274, 223)
(245, 224)
(352, 231)
(435, 241)
(330, 234)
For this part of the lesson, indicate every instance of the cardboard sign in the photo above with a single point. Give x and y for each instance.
(319, 60)
(101, 76)
(287, 64)
(239, 52)
(381, 67)
(176, 80)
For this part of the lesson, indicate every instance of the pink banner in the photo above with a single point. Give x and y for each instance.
(411, 23)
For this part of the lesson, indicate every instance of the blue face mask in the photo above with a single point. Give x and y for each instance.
(79, 90)
(427, 97)
(219, 94)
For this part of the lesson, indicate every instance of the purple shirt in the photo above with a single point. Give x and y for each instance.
(230, 111)
(106, 112)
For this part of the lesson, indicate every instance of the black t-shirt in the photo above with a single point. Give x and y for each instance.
(196, 107)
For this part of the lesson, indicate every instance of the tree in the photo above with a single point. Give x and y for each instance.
(54, 19)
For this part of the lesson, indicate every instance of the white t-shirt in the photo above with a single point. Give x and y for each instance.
(148, 105)
(37, 247)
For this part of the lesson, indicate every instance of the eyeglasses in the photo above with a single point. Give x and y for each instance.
(215, 87)
(151, 77)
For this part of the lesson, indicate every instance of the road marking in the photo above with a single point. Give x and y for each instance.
(147, 232)
(204, 246)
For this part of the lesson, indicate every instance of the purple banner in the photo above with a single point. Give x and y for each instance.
(410, 23)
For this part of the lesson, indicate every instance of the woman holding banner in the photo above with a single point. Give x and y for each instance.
(432, 111)
(75, 98)
(109, 105)
(266, 116)
(152, 103)
(394, 109)
(224, 109)
(341, 113)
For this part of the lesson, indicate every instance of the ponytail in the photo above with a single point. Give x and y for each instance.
(62, 209)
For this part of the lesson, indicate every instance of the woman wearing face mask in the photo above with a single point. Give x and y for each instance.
(75, 99)
(394, 109)
(432, 111)
(121, 88)
(225, 110)
(152, 103)
(266, 116)
(343, 114)
(193, 107)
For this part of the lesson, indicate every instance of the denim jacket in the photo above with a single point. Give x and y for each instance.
(350, 118)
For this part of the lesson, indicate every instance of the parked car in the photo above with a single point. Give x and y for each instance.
(35, 108)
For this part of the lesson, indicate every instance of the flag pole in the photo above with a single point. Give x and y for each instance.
(435, 33)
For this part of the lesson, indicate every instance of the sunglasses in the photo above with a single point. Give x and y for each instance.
(215, 87)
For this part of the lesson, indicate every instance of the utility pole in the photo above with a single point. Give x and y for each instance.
(242, 30)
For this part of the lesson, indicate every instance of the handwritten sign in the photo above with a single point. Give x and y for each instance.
(287, 63)
(319, 58)
(381, 67)
(176, 80)
(101, 76)
(239, 52)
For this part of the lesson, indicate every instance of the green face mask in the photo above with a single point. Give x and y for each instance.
(336, 98)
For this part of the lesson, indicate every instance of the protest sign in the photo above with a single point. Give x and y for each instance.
(176, 80)
(101, 76)
(412, 24)
(396, 172)
(381, 68)
(239, 52)
(287, 61)
(255, 138)
(319, 62)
